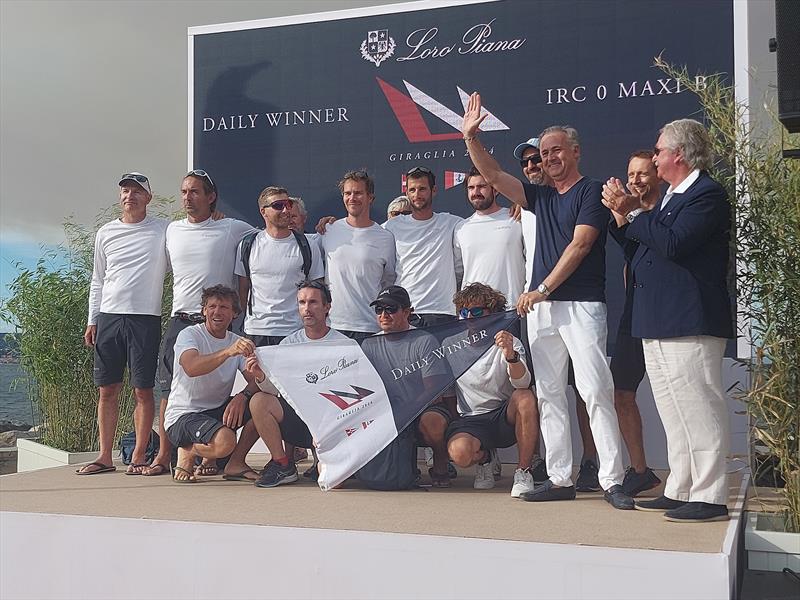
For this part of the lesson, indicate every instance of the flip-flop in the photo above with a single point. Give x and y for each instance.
(103, 469)
(240, 476)
(162, 470)
(208, 470)
(139, 466)
(189, 473)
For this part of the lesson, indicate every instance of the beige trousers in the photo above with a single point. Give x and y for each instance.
(686, 377)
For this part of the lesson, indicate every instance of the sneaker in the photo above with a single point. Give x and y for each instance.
(587, 477)
(547, 491)
(617, 498)
(451, 470)
(484, 480)
(636, 483)
(275, 475)
(497, 466)
(697, 512)
(539, 470)
(660, 504)
(523, 482)
(428, 456)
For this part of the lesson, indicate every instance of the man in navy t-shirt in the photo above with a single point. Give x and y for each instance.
(568, 304)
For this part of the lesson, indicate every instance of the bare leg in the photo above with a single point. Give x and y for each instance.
(589, 449)
(107, 417)
(465, 450)
(222, 444)
(521, 415)
(237, 463)
(432, 426)
(185, 465)
(143, 425)
(630, 425)
(164, 455)
(267, 416)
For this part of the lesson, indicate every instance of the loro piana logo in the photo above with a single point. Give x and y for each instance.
(377, 47)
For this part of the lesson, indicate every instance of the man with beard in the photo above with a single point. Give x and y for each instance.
(569, 303)
(359, 258)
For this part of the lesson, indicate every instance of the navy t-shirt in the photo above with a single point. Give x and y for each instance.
(556, 218)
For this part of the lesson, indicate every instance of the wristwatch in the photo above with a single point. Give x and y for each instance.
(247, 393)
(633, 214)
(513, 359)
(543, 290)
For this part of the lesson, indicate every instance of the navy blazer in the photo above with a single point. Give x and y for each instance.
(680, 264)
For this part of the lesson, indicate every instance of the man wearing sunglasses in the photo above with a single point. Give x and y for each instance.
(268, 284)
(202, 253)
(568, 304)
(393, 311)
(427, 266)
(359, 258)
(398, 206)
(496, 406)
(124, 324)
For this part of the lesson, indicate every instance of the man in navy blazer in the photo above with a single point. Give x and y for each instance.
(682, 311)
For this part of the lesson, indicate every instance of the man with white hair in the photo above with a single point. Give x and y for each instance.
(124, 325)
(682, 311)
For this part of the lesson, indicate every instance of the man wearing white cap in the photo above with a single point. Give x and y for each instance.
(124, 324)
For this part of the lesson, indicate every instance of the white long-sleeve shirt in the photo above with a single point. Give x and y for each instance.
(130, 260)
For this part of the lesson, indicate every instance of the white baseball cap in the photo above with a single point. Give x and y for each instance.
(531, 143)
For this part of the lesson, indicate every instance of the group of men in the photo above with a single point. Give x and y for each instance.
(422, 268)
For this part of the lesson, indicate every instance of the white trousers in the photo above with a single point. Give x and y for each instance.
(686, 376)
(557, 331)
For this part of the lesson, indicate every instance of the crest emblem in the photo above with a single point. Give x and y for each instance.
(312, 377)
(377, 47)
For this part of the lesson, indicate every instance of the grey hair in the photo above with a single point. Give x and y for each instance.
(691, 137)
(570, 132)
(299, 201)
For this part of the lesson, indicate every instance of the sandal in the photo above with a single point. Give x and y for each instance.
(155, 469)
(206, 470)
(191, 479)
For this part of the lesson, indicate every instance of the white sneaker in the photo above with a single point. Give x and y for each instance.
(523, 482)
(428, 456)
(484, 480)
(497, 466)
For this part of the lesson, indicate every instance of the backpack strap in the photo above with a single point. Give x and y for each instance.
(305, 251)
(247, 246)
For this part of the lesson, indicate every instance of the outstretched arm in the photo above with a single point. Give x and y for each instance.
(506, 184)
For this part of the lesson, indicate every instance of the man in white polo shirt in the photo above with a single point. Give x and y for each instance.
(427, 266)
(124, 324)
(359, 258)
(202, 253)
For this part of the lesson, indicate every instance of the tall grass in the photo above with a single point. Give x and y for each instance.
(49, 307)
(764, 189)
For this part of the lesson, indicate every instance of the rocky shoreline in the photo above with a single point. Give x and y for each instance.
(10, 431)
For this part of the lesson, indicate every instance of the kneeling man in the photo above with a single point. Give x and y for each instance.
(201, 418)
(496, 405)
(276, 421)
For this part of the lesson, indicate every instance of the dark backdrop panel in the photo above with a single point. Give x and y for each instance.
(300, 104)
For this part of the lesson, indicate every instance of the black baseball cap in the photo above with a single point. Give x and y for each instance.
(394, 295)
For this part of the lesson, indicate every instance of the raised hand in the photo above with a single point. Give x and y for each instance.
(472, 116)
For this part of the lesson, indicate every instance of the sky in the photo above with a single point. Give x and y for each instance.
(88, 91)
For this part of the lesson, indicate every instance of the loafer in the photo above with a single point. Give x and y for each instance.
(698, 512)
(636, 483)
(547, 492)
(617, 498)
(660, 504)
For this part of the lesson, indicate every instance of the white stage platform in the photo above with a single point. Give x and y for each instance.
(115, 536)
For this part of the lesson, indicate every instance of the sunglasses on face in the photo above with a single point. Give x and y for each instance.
(136, 177)
(386, 308)
(396, 213)
(203, 174)
(533, 158)
(477, 311)
(280, 205)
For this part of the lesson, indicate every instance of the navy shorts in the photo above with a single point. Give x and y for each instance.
(166, 356)
(266, 340)
(627, 364)
(199, 427)
(293, 430)
(130, 340)
(492, 428)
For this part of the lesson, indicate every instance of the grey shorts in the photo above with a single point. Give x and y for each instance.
(166, 356)
(199, 427)
(130, 340)
(492, 428)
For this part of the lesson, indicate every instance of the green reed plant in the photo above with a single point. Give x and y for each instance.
(764, 189)
(49, 305)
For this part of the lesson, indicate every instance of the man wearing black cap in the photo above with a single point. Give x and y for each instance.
(393, 309)
(124, 324)
(202, 252)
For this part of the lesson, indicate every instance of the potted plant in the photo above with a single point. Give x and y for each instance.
(764, 189)
(48, 305)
